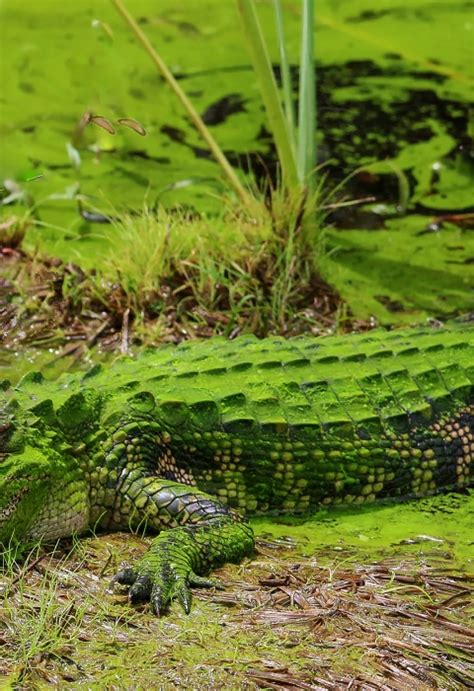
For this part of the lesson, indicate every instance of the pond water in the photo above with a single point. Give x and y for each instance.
(395, 86)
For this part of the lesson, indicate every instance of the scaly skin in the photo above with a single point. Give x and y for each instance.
(190, 437)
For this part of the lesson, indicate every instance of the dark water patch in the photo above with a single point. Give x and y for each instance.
(446, 212)
(38, 165)
(223, 108)
(137, 93)
(174, 133)
(357, 125)
(185, 26)
(347, 218)
(27, 87)
(358, 133)
(213, 71)
(133, 175)
(469, 260)
(424, 14)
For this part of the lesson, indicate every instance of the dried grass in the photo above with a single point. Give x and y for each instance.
(396, 627)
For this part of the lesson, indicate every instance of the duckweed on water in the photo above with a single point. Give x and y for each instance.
(394, 98)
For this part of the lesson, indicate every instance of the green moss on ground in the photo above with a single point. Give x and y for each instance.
(377, 596)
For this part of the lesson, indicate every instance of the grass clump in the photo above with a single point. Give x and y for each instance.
(244, 271)
(165, 276)
(148, 248)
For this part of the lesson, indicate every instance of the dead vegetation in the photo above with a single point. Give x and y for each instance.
(383, 626)
(50, 304)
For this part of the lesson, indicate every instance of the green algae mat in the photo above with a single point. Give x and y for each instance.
(395, 94)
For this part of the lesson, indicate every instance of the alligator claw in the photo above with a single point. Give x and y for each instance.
(141, 589)
(157, 602)
(183, 594)
(175, 560)
(162, 587)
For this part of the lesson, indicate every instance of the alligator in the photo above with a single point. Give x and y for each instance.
(195, 437)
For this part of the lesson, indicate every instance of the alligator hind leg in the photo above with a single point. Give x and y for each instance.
(203, 534)
(199, 531)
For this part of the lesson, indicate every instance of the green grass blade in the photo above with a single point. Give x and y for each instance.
(269, 91)
(307, 99)
(193, 114)
(285, 72)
